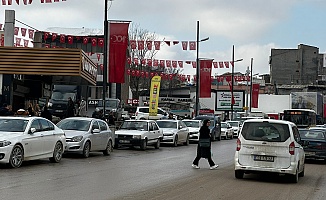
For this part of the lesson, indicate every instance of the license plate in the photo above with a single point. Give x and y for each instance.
(58, 111)
(263, 158)
(124, 141)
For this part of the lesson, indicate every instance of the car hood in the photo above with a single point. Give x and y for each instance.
(166, 130)
(72, 133)
(9, 135)
(129, 132)
(193, 129)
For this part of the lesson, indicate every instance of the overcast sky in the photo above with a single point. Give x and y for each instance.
(254, 27)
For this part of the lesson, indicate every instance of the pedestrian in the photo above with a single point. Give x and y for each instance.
(111, 119)
(82, 108)
(30, 110)
(6, 110)
(204, 146)
(70, 108)
(170, 116)
(46, 113)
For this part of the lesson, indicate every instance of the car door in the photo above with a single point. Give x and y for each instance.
(95, 136)
(104, 134)
(301, 153)
(48, 136)
(182, 130)
(155, 132)
(33, 142)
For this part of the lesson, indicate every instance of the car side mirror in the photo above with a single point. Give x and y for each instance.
(32, 130)
(96, 130)
(180, 127)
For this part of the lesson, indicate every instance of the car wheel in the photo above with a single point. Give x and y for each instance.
(239, 174)
(186, 143)
(158, 144)
(108, 149)
(57, 153)
(295, 177)
(16, 156)
(175, 144)
(301, 174)
(86, 149)
(143, 145)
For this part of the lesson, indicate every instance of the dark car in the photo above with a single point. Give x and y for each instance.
(314, 143)
(215, 125)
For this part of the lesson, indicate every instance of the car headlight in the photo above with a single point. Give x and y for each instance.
(136, 137)
(4, 143)
(77, 138)
(50, 104)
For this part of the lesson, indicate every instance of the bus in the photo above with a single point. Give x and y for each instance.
(303, 118)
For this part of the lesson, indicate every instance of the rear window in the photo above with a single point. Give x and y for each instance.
(144, 110)
(313, 134)
(265, 131)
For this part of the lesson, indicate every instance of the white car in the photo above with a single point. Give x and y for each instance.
(268, 145)
(85, 135)
(138, 133)
(30, 138)
(142, 112)
(174, 131)
(236, 125)
(226, 130)
(194, 127)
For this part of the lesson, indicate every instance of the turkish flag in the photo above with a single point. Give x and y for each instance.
(18, 41)
(205, 78)
(157, 45)
(25, 2)
(174, 64)
(215, 64)
(9, 2)
(232, 97)
(94, 42)
(129, 61)
(149, 45)
(226, 64)
(47, 45)
(133, 44)
(4, 2)
(136, 61)
(188, 77)
(168, 63)
(255, 94)
(184, 45)
(23, 31)
(168, 43)
(85, 40)
(70, 39)
(128, 71)
(31, 33)
(221, 64)
(16, 30)
(62, 38)
(155, 63)
(26, 43)
(175, 42)
(98, 56)
(46, 35)
(192, 45)
(180, 64)
(194, 64)
(149, 62)
(140, 45)
(117, 52)
(100, 42)
(54, 36)
(162, 63)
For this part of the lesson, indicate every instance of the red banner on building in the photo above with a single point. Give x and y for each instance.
(255, 93)
(117, 54)
(205, 78)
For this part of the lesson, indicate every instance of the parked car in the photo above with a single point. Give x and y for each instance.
(315, 143)
(30, 138)
(140, 133)
(85, 135)
(268, 145)
(194, 127)
(142, 112)
(227, 131)
(174, 131)
(236, 125)
(215, 125)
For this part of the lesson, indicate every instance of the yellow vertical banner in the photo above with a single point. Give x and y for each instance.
(154, 95)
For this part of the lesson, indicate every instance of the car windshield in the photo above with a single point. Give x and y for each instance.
(13, 125)
(224, 125)
(313, 134)
(167, 124)
(195, 124)
(234, 124)
(73, 124)
(265, 131)
(62, 95)
(134, 125)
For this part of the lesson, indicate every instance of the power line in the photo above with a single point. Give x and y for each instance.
(26, 24)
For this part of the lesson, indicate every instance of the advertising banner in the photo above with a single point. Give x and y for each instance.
(223, 100)
(307, 100)
(117, 52)
(205, 78)
(255, 94)
(154, 95)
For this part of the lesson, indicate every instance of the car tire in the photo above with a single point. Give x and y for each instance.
(301, 174)
(16, 156)
(86, 149)
(239, 174)
(57, 153)
(186, 143)
(108, 149)
(143, 144)
(294, 178)
(158, 144)
(175, 144)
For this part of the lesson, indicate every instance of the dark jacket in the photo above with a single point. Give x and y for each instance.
(204, 134)
(71, 109)
(46, 114)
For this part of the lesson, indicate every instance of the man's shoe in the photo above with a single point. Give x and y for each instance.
(195, 166)
(214, 167)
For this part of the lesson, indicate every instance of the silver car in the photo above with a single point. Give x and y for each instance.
(87, 134)
(174, 132)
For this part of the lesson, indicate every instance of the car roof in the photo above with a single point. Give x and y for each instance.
(168, 120)
(21, 117)
(139, 120)
(270, 120)
(192, 120)
(81, 118)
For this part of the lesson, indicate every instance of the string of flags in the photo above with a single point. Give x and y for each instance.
(141, 44)
(25, 2)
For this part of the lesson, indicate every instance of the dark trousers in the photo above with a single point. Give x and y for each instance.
(208, 155)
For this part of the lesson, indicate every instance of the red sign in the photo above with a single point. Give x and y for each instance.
(255, 93)
(205, 78)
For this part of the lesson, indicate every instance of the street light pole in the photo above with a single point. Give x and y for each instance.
(105, 53)
(247, 90)
(232, 80)
(251, 63)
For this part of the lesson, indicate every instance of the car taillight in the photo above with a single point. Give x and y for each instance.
(291, 148)
(238, 145)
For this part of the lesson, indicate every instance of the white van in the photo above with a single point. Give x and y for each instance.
(142, 112)
(268, 145)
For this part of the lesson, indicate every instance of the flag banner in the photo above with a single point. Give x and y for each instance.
(255, 94)
(62, 38)
(180, 64)
(117, 52)
(140, 45)
(184, 45)
(162, 63)
(157, 45)
(94, 42)
(232, 96)
(133, 44)
(215, 64)
(149, 45)
(168, 63)
(16, 30)
(168, 42)
(31, 33)
(175, 42)
(205, 78)
(226, 64)
(149, 62)
(85, 40)
(192, 45)
(221, 64)
(23, 31)
(174, 64)
(155, 63)
(100, 42)
(194, 64)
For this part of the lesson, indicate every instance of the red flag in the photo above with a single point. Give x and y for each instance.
(215, 64)
(17, 1)
(147, 74)
(128, 71)
(175, 42)
(18, 41)
(118, 50)
(47, 45)
(136, 61)
(157, 45)
(168, 63)
(231, 62)
(129, 61)
(98, 56)
(62, 38)
(192, 45)
(149, 45)
(9, 2)
(162, 63)
(232, 97)
(168, 43)
(31, 33)
(70, 39)
(226, 64)
(205, 78)
(221, 64)
(23, 31)
(94, 42)
(188, 77)
(149, 62)
(1, 26)
(140, 45)
(143, 61)
(133, 44)
(3, 2)
(100, 42)
(26, 43)
(54, 36)
(184, 45)
(194, 64)
(85, 40)
(16, 30)
(25, 2)
(174, 63)
(255, 93)
(180, 64)
(155, 63)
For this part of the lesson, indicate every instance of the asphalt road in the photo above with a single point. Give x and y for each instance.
(165, 173)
